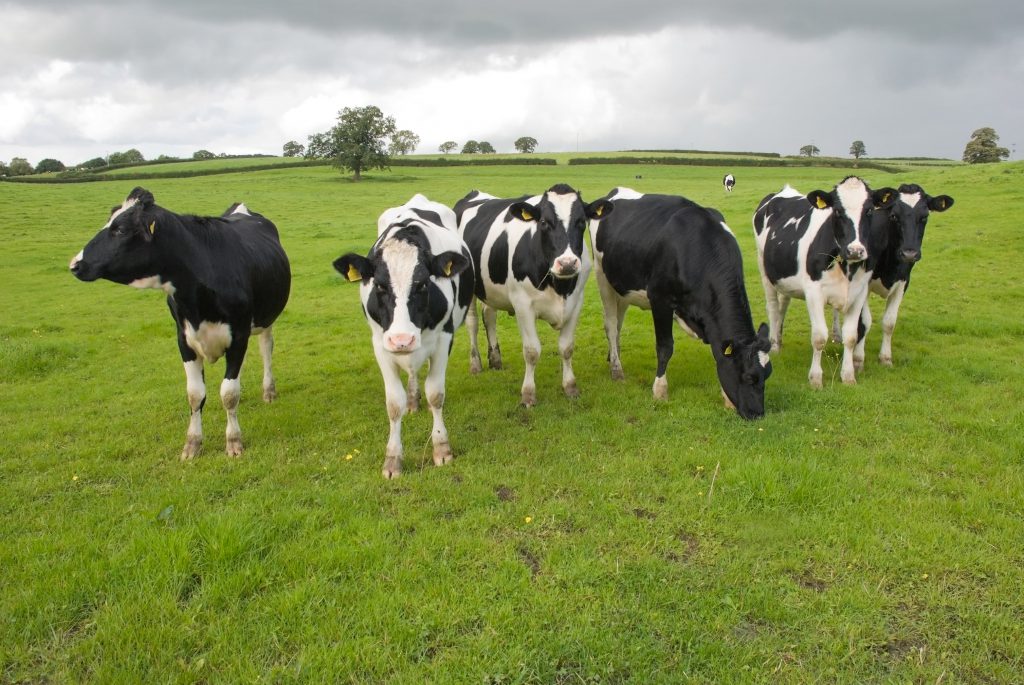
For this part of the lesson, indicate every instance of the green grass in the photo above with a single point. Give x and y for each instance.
(856, 534)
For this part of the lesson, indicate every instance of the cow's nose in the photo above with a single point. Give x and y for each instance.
(911, 255)
(76, 262)
(401, 342)
(855, 253)
(567, 266)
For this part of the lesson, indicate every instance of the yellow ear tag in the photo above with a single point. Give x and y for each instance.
(942, 204)
(821, 203)
(353, 274)
(448, 269)
(728, 351)
(152, 228)
(885, 198)
(527, 216)
(600, 210)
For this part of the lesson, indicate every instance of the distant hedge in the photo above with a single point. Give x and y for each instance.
(713, 152)
(74, 176)
(525, 160)
(741, 162)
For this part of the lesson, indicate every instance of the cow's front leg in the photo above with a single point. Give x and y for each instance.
(231, 392)
(434, 387)
(396, 402)
(664, 344)
(413, 392)
(851, 334)
(892, 312)
(195, 387)
(566, 345)
(531, 353)
(819, 334)
(862, 336)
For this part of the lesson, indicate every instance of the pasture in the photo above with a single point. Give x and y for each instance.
(855, 534)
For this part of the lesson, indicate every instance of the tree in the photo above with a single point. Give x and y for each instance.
(203, 154)
(857, 149)
(486, 148)
(19, 167)
(166, 158)
(318, 146)
(471, 147)
(293, 148)
(403, 142)
(94, 163)
(49, 165)
(357, 141)
(809, 151)
(982, 147)
(132, 156)
(447, 147)
(4, 170)
(526, 144)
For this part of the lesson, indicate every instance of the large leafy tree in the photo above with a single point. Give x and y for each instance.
(809, 151)
(49, 164)
(94, 163)
(486, 148)
(203, 154)
(471, 147)
(131, 156)
(448, 146)
(19, 167)
(293, 148)
(982, 147)
(357, 142)
(857, 149)
(403, 142)
(526, 144)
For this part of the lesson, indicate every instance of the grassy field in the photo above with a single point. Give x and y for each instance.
(854, 535)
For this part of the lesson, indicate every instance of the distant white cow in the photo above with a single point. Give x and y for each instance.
(728, 182)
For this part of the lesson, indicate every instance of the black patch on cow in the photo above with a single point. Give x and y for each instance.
(429, 216)
(781, 251)
(497, 260)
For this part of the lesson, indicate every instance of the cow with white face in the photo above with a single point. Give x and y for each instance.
(815, 247)
(416, 285)
(531, 261)
(226, 278)
(896, 237)
(729, 182)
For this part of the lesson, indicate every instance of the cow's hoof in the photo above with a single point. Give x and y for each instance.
(571, 391)
(234, 447)
(392, 468)
(413, 403)
(776, 346)
(192, 446)
(442, 454)
(529, 399)
(850, 380)
(494, 359)
(475, 366)
(815, 382)
(270, 393)
(885, 361)
(660, 389)
(617, 374)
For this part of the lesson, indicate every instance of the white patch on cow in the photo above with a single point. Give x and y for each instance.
(763, 358)
(154, 283)
(210, 341)
(852, 194)
(789, 191)
(910, 199)
(686, 329)
(402, 258)
(563, 204)
(623, 193)
(727, 229)
(76, 259)
(241, 209)
(125, 206)
(637, 298)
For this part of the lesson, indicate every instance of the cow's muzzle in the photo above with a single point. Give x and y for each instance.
(401, 343)
(856, 253)
(81, 269)
(566, 267)
(910, 256)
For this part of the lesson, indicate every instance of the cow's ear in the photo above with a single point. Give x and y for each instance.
(763, 341)
(354, 267)
(883, 198)
(940, 203)
(820, 199)
(448, 264)
(142, 196)
(524, 211)
(599, 209)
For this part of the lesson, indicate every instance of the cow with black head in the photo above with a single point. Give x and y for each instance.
(226, 278)
(415, 287)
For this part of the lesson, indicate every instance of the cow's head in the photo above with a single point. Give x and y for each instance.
(853, 205)
(743, 367)
(400, 289)
(123, 250)
(909, 216)
(561, 217)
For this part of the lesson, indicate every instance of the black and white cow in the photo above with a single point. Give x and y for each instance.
(416, 285)
(896, 238)
(531, 261)
(226, 278)
(680, 260)
(815, 248)
(729, 182)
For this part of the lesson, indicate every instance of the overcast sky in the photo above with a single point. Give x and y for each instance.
(84, 78)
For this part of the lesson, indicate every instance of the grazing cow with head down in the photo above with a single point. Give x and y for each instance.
(815, 248)
(680, 260)
(896, 237)
(226, 278)
(416, 285)
(729, 182)
(531, 261)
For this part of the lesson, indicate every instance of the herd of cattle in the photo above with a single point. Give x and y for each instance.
(227, 278)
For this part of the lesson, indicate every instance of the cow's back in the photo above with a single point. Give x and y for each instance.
(246, 256)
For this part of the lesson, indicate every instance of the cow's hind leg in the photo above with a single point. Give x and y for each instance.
(862, 336)
(774, 311)
(267, 352)
(231, 393)
(892, 312)
(614, 314)
(531, 353)
(434, 387)
(491, 327)
(195, 387)
(473, 327)
(664, 344)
